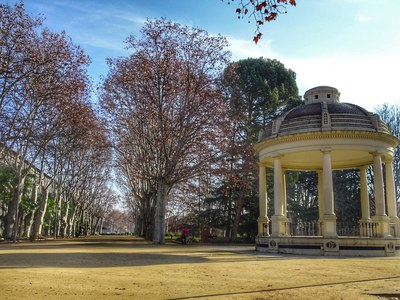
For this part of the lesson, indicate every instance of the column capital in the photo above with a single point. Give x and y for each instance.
(388, 159)
(377, 153)
(276, 155)
(326, 149)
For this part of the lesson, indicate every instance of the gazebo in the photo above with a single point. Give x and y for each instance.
(325, 135)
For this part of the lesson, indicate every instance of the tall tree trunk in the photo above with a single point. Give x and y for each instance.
(159, 219)
(101, 226)
(147, 219)
(39, 215)
(82, 224)
(96, 226)
(91, 224)
(64, 220)
(11, 228)
(228, 228)
(20, 222)
(57, 216)
(70, 223)
(76, 221)
(238, 214)
(30, 216)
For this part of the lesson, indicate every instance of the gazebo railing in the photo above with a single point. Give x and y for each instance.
(304, 228)
(313, 228)
(347, 229)
(368, 228)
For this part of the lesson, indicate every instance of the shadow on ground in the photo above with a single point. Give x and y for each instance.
(108, 251)
(91, 260)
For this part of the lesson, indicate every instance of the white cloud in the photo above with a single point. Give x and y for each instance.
(366, 80)
(242, 49)
(361, 18)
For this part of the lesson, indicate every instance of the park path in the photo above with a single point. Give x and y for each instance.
(125, 267)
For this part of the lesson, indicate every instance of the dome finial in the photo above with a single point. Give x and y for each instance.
(322, 94)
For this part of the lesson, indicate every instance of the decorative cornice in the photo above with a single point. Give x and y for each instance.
(339, 134)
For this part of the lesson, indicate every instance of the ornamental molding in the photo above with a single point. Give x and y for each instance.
(366, 135)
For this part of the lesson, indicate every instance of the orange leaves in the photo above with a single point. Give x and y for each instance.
(271, 17)
(292, 2)
(239, 11)
(261, 11)
(257, 37)
(260, 6)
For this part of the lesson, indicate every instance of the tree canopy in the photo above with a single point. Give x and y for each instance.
(259, 90)
(164, 106)
(52, 144)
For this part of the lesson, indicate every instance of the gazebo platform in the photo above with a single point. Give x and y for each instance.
(339, 246)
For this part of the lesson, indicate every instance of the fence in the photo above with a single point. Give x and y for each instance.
(313, 228)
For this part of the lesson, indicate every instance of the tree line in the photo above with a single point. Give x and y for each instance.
(176, 121)
(54, 149)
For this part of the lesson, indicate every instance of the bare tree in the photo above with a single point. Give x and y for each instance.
(165, 104)
(41, 72)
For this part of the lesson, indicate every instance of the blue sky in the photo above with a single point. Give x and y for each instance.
(353, 45)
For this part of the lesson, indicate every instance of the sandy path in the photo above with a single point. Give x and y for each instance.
(129, 268)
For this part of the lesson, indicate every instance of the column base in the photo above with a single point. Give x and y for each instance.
(279, 226)
(394, 226)
(328, 226)
(382, 226)
(263, 226)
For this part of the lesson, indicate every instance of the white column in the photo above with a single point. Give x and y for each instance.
(320, 202)
(278, 187)
(279, 220)
(394, 228)
(366, 228)
(284, 200)
(378, 186)
(263, 220)
(390, 190)
(365, 210)
(380, 218)
(328, 183)
(263, 191)
(320, 195)
(329, 222)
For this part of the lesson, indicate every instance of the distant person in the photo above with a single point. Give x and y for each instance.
(185, 234)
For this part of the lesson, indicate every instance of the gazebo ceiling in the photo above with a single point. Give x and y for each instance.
(303, 151)
(312, 159)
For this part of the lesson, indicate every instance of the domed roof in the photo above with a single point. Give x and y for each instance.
(323, 111)
(315, 109)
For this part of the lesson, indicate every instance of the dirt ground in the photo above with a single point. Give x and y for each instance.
(123, 267)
